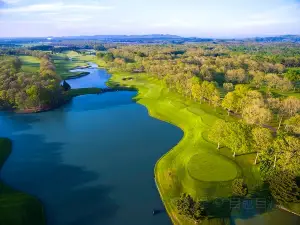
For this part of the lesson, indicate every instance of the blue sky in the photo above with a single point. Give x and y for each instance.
(201, 18)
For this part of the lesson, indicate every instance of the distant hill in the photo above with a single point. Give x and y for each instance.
(282, 38)
(151, 38)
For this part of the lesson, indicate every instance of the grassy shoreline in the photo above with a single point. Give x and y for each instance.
(17, 208)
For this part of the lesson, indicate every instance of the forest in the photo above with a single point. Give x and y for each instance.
(29, 91)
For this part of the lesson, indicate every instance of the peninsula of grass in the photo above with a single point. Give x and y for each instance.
(17, 208)
(83, 91)
(78, 75)
(194, 165)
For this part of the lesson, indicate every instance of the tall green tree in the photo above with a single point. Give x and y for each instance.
(262, 140)
(230, 102)
(238, 138)
(218, 132)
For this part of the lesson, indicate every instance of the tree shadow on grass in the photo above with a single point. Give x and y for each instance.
(36, 167)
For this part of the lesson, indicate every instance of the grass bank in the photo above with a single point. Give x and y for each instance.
(17, 208)
(181, 169)
(83, 91)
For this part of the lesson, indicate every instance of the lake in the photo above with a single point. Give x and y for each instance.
(91, 161)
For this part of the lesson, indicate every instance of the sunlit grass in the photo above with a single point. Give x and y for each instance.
(30, 64)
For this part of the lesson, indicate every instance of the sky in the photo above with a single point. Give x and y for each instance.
(197, 18)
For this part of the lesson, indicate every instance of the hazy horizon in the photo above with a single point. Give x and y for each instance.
(201, 37)
(191, 18)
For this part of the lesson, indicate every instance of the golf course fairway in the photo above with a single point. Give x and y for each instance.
(181, 170)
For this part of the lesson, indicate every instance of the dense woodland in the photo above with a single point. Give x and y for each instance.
(258, 84)
(29, 91)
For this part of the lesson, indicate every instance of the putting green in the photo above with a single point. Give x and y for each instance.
(207, 167)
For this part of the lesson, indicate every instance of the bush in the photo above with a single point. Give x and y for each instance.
(239, 188)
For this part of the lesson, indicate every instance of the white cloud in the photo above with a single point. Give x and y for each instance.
(11, 1)
(287, 14)
(54, 7)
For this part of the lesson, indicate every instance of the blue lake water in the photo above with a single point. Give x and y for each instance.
(96, 78)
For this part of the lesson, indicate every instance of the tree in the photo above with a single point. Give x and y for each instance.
(237, 137)
(262, 140)
(293, 75)
(236, 76)
(217, 132)
(289, 107)
(258, 78)
(287, 153)
(230, 102)
(293, 124)
(215, 98)
(228, 87)
(239, 188)
(190, 208)
(283, 187)
(253, 114)
(66, 86)
(196, 91)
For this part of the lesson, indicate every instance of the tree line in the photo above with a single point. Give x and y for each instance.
(23, 90)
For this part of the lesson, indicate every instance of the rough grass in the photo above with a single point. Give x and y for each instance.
(17, 208)
(30, 64)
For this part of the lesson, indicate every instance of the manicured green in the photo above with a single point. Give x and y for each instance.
(206, 167)
(17, 208)
(172, 170)
(30, 64)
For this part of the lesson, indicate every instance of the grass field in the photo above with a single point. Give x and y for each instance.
(194, 165)
(17, 208)
(30, 64)
(64, 64)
